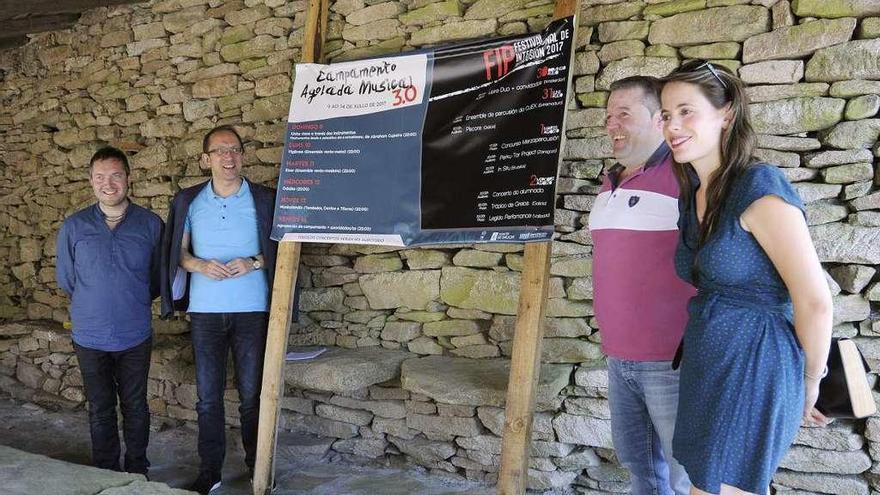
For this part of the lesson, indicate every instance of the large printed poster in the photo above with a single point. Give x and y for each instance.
(456, 144)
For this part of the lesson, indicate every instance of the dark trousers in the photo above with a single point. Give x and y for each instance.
(107, 375)
(213, 335)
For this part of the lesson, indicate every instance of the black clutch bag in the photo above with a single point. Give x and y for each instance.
(844, 392)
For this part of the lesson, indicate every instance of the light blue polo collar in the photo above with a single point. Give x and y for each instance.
(243, 190)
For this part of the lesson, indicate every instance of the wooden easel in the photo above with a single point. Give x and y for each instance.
(527, 342)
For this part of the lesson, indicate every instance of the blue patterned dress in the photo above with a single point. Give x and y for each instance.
(742, 388)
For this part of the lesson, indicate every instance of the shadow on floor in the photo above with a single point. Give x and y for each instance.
(173, 455)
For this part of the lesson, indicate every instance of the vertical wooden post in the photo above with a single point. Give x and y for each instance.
(525, 369)
(525, 365)
(315, 31)
(281, 312)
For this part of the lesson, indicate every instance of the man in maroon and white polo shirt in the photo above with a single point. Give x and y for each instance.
(640, 303)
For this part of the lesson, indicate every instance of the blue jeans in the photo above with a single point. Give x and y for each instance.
(643, 396)
(213, 335)
(107, 375)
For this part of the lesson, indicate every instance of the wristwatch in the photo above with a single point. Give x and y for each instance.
(256, 263)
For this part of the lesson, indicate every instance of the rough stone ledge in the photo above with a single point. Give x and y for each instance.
(346, 370)
(21, 328)
(475, 382)
(23, 472)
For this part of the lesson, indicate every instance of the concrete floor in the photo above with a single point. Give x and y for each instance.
(301, 470)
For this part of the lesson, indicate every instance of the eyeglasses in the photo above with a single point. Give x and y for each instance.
(714, 73)
(236, 151)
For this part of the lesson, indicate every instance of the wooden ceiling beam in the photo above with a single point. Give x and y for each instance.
(15, 8)
(19, 27)
(13, 42)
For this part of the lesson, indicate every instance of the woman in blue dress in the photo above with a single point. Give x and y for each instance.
(759, 328)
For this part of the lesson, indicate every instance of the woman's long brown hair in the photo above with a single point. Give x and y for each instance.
(721, 88)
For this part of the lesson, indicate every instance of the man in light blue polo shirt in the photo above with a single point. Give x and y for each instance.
(218, 262)
(226, 230)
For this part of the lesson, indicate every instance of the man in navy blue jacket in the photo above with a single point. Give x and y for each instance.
(108, 262)
(217, 264)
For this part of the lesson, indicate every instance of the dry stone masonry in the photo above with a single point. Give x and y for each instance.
(421, 337)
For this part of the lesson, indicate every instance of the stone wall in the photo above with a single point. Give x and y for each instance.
(151, 78)
(38, 364)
